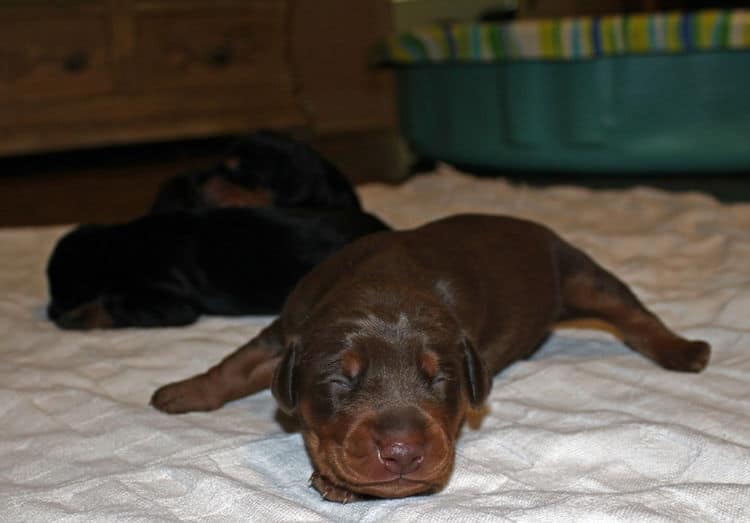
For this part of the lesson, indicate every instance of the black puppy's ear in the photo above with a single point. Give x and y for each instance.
(283, 386)
(475, 373)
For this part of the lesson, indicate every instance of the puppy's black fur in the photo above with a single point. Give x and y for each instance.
(169, 268)
(261, 170)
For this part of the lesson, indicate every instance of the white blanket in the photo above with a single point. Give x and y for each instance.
(586, 430)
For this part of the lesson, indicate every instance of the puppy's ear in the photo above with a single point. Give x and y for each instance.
(284, 387)
(475, 374)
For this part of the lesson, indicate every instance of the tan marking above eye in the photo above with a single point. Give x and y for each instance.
(429, 363)
(351, 363)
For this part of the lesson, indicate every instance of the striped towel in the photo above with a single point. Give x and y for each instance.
(572, 38)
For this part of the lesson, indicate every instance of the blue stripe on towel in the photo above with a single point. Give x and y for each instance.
(596, 36)
(685, 30)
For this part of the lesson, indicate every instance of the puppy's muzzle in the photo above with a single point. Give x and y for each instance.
(395, 453)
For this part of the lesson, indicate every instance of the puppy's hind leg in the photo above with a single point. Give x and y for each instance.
(590, 291)
(247, 370)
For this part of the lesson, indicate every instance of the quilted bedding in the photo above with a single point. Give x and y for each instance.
(585, 430)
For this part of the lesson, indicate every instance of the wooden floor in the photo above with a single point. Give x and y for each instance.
(118, 184)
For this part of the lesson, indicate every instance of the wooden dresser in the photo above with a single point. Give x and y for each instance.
(80, 73)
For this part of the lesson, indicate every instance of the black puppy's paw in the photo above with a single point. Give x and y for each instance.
(91, 315)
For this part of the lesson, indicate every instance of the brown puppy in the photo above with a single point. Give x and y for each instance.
(382, 348)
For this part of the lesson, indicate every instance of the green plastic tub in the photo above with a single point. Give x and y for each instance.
(667, 92)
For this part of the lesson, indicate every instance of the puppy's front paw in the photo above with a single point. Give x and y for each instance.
(185, 396)
(686, 356)
(331, 492)
(91, 315)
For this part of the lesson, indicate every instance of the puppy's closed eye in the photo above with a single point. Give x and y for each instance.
(338, 383)
(439, 384)
(439, 379)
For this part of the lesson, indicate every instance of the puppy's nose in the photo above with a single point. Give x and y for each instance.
(401, 457)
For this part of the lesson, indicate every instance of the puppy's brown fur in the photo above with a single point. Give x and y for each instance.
(381, 349)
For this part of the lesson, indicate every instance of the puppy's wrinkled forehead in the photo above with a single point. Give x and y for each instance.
(397, 332)
(382, 333)
(391, 349)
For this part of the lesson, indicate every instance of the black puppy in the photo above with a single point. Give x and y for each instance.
(263, 169)
(169, 268)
